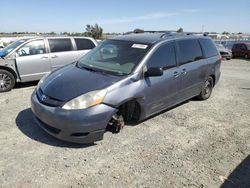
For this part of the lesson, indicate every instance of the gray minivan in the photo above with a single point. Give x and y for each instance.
(124, 80)
(29, 59)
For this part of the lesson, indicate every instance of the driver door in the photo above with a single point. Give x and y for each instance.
(161, 91)
(33, 60)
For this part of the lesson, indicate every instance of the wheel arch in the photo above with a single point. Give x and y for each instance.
(9, 70)
(131, 109)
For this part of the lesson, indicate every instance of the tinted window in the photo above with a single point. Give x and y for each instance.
(32, 48)
(243, 47)
(236, 46)
(60, 45)
(163, 57)
(208, 47)
(189, 50)
(84, 44)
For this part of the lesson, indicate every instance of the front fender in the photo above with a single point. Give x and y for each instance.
(10, 65)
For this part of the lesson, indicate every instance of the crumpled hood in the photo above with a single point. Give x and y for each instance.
(70, 82)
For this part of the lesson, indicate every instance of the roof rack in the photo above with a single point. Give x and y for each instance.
(166, 33)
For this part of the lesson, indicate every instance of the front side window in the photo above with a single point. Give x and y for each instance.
(114, 57)
(163, 57)
(5, 51)
(84, 44)
(32, 48)
(189, 51)
(60, 45)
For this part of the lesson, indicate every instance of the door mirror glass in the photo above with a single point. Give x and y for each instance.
(154, 71)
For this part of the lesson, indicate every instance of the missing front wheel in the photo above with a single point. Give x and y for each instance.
(116, 123)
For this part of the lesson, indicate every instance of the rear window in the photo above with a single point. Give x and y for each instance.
(189, 51)
(60, 45)
(84, 44)
(209, 48)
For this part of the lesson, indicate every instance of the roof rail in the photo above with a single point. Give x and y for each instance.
(166, 33)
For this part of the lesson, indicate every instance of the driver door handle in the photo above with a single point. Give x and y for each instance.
(184, 71)
(54, 56)
(176, 74)
(44, 57)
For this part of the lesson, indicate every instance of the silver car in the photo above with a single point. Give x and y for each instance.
(30, 59)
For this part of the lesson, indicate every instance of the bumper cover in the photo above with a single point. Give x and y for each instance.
(79, 126)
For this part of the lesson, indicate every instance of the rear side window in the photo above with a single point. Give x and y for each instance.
(60, 45)
(189, 51)
(243, 47)
(84, 44)
(163, 57)
(208, 47)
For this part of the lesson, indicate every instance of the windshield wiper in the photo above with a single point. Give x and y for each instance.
(85, 67)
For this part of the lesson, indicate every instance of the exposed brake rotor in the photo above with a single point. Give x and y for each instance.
(116, 123)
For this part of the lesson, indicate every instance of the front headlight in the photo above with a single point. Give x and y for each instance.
(86, 100)
(42, 79)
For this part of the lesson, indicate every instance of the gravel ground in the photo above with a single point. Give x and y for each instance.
(196, 144)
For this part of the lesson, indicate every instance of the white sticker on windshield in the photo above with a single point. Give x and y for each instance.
(141, 46)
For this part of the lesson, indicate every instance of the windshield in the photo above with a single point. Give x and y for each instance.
(113, 56)
(12, 46)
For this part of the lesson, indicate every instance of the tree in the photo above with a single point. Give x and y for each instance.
(93, 31)
(225, 33)
(138, 30)
(180, 30)
(52, 33)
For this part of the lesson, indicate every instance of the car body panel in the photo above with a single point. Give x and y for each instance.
(68, 75)
(33, 67)
(74, 126)
(241, 50)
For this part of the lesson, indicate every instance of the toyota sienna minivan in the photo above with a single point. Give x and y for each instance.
(124, 80)
(29, 59)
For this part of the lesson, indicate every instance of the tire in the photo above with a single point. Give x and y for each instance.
(7, 81)
(207, 89)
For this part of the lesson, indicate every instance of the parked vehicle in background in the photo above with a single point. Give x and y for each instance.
(224, 52)
(30, 59)
(241, 50)
(125, 79)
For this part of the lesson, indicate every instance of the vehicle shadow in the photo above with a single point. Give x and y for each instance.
(27, 126)
(240, 177)
(26, 84)
(159, 113)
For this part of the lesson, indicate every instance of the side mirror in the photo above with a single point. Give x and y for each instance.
(154, 71)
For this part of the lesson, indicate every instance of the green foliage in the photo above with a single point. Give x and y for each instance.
(52, 33)
(226, 33)
(180, 30)
(94, 31)
(138, 30)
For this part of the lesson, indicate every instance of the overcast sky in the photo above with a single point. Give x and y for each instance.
(123, 16)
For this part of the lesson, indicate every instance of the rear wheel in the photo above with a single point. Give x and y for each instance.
(207, 89)
(7, 81)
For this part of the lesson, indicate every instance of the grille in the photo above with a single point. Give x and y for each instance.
(47, 100)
